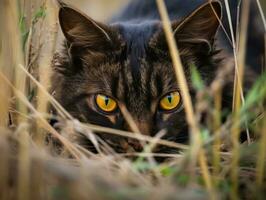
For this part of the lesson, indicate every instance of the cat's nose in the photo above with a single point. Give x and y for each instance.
(131, 145)
(135, 144)
(144, 128)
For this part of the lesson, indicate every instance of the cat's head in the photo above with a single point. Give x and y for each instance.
(106, 67)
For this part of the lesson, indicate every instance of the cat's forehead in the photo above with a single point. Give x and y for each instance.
(137, 33)
(135, 81)
(136, 37)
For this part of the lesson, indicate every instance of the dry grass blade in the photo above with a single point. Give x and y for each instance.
(69, 146)
(261, 160)
(61, 111)
(237, 95)
(100, 129)
(45, 64)
(217, 126)
(262, 14)
(237, 82)
(129, 119)
(16, 57)
(6, 67)
(180, 76)
(190, 116)
(4, 149)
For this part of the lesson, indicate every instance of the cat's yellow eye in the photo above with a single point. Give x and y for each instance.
(105, 103)
(170, 101)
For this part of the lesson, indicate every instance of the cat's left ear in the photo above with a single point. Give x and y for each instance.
(83, 32)
(200, 27)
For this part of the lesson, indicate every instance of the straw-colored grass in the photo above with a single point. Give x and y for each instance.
(195, 144)
(41, 162)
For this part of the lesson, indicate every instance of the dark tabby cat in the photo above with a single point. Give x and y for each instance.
(127, 62)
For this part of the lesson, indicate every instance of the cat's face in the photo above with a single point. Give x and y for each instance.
(108, 68)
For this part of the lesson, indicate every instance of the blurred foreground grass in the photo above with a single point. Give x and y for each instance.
(32, 167)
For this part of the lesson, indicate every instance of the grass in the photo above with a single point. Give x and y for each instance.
(213, 166)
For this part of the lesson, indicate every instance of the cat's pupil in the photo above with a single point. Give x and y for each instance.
(106, 100)
(170, 98)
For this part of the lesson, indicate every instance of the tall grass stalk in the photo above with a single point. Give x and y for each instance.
(20, 84)
(6, 66)
(261, 158)
(262, 14)
(190, 116)
(45, 62)
(236, 79)
(180, 76)
(216, 127)
(133, 126)
(4, 149)
(237, 82)
(241, 54)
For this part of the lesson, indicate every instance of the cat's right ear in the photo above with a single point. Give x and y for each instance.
(196, 30)
(82, 31)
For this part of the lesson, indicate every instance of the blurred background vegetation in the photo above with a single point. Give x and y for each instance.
(99, 9)
(103, 9)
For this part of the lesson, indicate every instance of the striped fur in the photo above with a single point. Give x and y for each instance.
(130, 62)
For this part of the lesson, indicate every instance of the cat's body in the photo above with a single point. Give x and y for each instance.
(128, 64)
(139, 11)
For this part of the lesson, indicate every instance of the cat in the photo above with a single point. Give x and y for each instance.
(127, 62)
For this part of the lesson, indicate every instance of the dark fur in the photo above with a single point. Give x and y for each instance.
(129, 61)
(140, 10)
